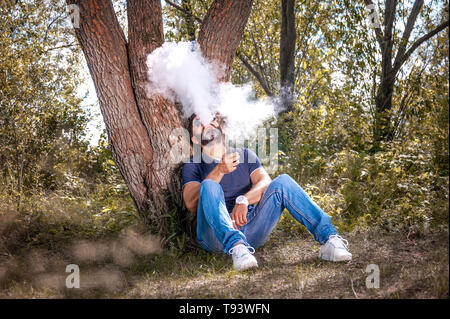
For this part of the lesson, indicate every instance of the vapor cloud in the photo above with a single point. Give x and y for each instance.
(178, 71)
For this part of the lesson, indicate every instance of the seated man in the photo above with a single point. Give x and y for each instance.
(222, 189)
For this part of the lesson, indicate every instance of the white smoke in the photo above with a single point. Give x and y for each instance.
(178, 71)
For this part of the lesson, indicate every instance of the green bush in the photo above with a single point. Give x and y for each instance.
(403, 186)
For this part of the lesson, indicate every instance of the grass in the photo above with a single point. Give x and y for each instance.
(413, 265)
(289, 268)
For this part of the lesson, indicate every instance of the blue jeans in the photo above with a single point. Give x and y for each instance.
(215, 231)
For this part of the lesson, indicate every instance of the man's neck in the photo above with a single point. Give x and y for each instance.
(214, 151)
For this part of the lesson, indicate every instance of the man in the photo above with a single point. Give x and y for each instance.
(222, 189)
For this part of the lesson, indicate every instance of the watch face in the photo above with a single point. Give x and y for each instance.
(241, 199)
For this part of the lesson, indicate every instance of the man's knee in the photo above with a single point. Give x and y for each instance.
(208, 186)
(282, 180)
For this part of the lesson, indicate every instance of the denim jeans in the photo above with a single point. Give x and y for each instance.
(215, 231)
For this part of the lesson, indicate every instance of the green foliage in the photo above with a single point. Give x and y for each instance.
(176, 23)
(399, 189)
(41, 120)
(88, 204)
(327, 138)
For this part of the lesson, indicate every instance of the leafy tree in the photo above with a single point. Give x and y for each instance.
(387, 36)
(41, 120)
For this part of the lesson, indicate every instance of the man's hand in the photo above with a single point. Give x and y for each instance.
(239, 215)
(228, 163)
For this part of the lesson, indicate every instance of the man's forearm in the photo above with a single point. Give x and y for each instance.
(257, 191)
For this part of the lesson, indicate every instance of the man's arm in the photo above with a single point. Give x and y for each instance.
(191, 191)
(260, 181)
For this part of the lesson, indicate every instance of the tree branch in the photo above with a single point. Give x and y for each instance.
(418, 42)
(176, 6)
(258, 58)
(287, 43)
(407, 32)
(190, 23)
(50, 24)
(390, 9)
(73, 44)
(389, 18)
(258, 76)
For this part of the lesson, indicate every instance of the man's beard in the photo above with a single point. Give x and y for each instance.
(212, 136)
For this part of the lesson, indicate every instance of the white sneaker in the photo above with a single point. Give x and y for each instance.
(335, 249)
(242, 257)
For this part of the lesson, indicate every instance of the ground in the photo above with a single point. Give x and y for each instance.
(413, 265)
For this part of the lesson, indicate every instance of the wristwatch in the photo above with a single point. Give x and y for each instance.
(242, 200)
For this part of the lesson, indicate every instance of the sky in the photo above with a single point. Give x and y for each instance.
(96, 125)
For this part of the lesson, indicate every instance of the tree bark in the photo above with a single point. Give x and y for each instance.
(259, 77)
(407, 32)
(221, 32)
(159, 116)
(105, 50)
(383, 99)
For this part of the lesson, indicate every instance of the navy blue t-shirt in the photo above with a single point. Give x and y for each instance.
(233, 184)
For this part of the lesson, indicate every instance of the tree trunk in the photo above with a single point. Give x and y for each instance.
(383, 130)
(383, 100)
(287, 54)
(139, 124)
(159, 116)
(105, 50)
(288, 39)
(221, 32)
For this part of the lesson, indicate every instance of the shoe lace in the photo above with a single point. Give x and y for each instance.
(338, 237)
(250, 249)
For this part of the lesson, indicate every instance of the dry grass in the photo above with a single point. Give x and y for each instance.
(289, 268)
(134, 266)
